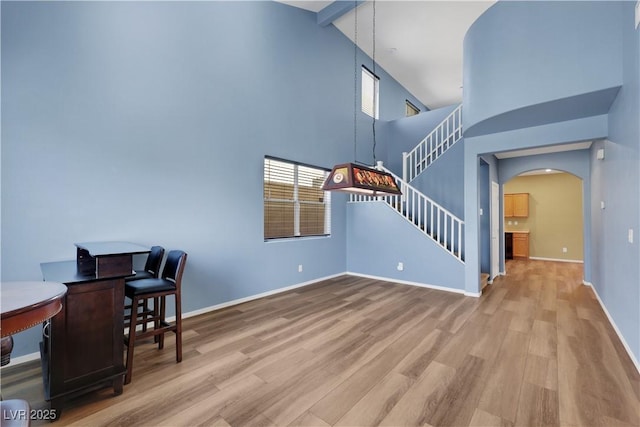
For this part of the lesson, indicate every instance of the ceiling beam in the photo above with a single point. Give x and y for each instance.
(335, 10)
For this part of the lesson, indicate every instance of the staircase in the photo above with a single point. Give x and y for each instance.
(447, 133)
(426, 215)
(430, 218)
(484, 280)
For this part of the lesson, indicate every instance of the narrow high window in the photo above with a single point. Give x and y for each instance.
(370, 92)
(411, 110)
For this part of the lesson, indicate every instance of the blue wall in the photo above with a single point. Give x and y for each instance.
(379, 238)
(443, 180)
(556, 61)
(406, 132)
(573, 66)
(149, 122)
(616, 181)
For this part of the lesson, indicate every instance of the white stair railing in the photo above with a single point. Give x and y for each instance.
(429, 217)
(447, 133)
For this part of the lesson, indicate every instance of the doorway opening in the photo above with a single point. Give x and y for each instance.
(550, 226)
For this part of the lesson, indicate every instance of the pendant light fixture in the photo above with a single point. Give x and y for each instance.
(353, 177)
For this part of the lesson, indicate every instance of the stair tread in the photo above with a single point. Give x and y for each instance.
(484, 280)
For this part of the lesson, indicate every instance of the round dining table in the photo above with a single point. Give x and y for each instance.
(24, 305)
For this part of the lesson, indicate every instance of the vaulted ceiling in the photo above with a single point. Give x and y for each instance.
(419, 43)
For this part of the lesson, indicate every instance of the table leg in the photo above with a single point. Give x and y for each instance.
(117, 384)
(5, 350)
(55, 406)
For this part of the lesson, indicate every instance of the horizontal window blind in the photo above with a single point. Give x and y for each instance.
(294, 203)
(370, 86)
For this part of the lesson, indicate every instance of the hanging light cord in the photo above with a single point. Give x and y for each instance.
(355, 81)
(374, 83)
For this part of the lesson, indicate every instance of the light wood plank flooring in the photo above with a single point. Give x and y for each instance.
(535, 349)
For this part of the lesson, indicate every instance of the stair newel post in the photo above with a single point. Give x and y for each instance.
(405, 174)
(429, 217)
(405, 156)
(380, 167)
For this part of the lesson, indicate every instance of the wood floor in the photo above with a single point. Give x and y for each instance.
(535, 349)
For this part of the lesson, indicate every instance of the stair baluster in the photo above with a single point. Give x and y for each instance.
(429, 217)
(447, 133)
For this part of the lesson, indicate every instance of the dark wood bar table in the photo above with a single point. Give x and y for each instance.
(82, 346)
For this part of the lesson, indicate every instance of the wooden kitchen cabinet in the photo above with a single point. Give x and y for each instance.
(520, 245)
(516, 205)
(508, 205)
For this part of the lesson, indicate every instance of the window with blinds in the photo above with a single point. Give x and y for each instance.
(294, 203)
(370, 88)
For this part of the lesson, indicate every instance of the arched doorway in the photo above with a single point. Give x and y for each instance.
(554, 223)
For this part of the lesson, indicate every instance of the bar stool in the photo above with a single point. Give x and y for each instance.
(151, 271)
(168, 284)
(151, 267)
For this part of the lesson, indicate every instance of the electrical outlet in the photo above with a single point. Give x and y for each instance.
(564, 250)
(299, 268)
(515, 222)
(630, 235)
(400, 266)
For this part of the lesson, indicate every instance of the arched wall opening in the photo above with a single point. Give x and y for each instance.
(575, 165)
(554, 223)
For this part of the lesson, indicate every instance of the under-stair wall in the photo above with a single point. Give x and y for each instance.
(422, 241)
(375, 250)
(426, 215)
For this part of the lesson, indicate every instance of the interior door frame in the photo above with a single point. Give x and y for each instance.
(495, 230)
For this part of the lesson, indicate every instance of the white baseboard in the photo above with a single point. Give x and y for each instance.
(615, 327)
(537, 258)
(405, 282)
(252, 297)
(14, 361)
(473, 294)
(36, 355)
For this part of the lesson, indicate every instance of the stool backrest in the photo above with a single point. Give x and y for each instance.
(174, 266)
(154, 260)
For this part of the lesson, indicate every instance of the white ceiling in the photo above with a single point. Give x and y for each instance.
(419, 43)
